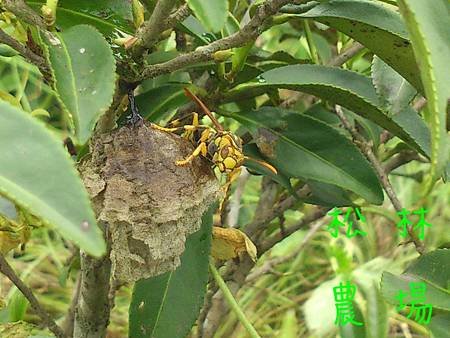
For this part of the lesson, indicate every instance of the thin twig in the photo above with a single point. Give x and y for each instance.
(8, 271)
(20, 9)
(265, 210)
(271, 263)
(346, 55)
(212, 289)
(317, 213)
(232, 302)
(24, 51)
(366, 148)
(260, 222)
(419, 104)
(151, 29)
(401, 159)
(69, 321)
(259, 22)
(178, 16)
(235, 203)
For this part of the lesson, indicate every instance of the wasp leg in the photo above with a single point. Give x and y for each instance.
(201, 149)
(226, 187)
(230, 178)
(168, 130)
(135, 117)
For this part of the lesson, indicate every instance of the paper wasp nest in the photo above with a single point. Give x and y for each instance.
(149, 204)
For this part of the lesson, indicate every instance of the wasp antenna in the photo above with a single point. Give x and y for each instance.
(204, 108)
(263, 163)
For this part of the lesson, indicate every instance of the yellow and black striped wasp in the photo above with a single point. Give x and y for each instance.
(221, 147)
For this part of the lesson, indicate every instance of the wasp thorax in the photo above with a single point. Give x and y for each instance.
(149, 204)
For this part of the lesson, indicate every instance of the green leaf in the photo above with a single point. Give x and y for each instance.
(212, 14)
(106, 15)
(392, 284)
(427, 268)
(17, 307)
(301, 146)
(321, 193)
(354, 331)
(168, 305)
(251, 150)
(192, 26)
(8, 209)
(84, 70)
(377, 27)
(394, 91)
(439, 325)
(38, 175)
(289, 325)
(320, 309)
(377, 319)
(157, 101)
(349, 89)
(328, 195)
(429, 26)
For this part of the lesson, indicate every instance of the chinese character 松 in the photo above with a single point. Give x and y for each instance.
(335, 224)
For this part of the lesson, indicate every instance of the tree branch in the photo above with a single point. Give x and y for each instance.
(93, 311)
(366, 148)
(401, 159)
(8, 271)
(313, 216)
(25, 52)
(346, 55)
(271, 263)
(179, 15)
(256, 226)
(69, 321)
(250, 31)
(153, 27)
(20, 9)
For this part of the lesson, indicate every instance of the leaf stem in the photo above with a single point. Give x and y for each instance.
(257, 24)
(232, 302)
(311, 44)
(24, 12)
(8, 271)
(49, 13)
(417, 327)
(27, 53)
(153, 27)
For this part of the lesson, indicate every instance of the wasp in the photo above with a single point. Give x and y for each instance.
(222, 148)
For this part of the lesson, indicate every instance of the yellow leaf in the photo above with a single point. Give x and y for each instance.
(5, 96)
(138, 13)
(228, 243)
(40, 112)
(12, 234)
